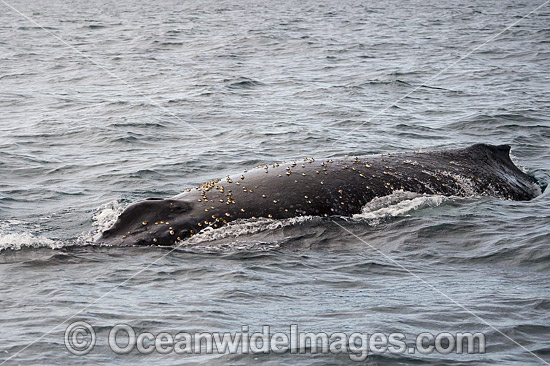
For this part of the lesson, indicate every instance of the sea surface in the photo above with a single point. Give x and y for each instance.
(106, 103)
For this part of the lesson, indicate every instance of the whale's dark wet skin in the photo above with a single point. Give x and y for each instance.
(321, 188)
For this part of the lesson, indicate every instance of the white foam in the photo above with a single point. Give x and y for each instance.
(104, 216)
(398, 203)
(10, 239)
(241, 228)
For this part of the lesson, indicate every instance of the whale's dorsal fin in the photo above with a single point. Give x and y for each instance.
(500, 151)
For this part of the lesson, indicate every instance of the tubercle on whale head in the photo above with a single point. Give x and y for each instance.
(150, 222)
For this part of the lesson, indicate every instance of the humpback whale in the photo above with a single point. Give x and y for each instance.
(320, 187)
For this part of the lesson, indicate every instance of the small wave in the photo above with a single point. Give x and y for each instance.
(243, 83)
(95, 26)
(16, 235)
(36, 28)
(383, 83)
(11, 239)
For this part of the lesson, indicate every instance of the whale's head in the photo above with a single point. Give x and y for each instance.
(150, 222)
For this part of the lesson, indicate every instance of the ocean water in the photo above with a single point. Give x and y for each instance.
(103, 104)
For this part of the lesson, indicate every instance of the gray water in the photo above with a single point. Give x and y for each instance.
(103, 104)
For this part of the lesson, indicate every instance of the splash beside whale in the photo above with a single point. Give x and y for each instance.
(320, 188)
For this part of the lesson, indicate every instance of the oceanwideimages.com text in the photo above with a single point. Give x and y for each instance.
(80, 339)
